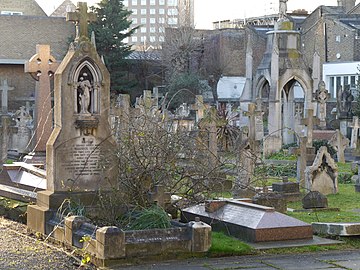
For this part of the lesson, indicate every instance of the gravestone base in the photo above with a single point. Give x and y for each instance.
(49, 203)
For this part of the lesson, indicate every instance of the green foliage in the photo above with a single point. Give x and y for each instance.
(344, 178)
(282, 155)
(276, 170)
(222, 244)
(147, 218)
(287, 146)
(318, 143)
(110, 29)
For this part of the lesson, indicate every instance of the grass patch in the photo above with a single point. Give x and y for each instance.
(222, 244)
(347, 200)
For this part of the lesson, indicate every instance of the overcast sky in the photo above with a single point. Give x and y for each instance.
(207, 11)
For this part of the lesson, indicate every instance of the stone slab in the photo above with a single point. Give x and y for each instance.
(339, 229)
(314, 210)
(250, 222)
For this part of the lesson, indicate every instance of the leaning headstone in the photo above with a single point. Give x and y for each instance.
(314, 199)
(322, 176)
(80, 149)
(339, 142)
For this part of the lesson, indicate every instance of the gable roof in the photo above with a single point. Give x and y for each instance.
(21, 34)
(66, 6)
(27, 7)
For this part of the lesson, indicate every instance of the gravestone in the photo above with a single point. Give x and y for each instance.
(322, 175)
(199, 107)
(42, 67)
(314, 199)
(290, 191)
(339, 142)
(20, 139)
(247, 221)
(5, 88)
(322, 95)
(310, 121)
(80, 150)
(354, 132)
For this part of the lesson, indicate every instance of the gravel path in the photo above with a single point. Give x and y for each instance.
(18, 250)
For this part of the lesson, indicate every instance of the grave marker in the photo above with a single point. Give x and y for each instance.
(310, 121)
(42, 66)
(5, 88)
(355, 132)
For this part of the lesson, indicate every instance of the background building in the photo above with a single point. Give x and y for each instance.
(153, 16)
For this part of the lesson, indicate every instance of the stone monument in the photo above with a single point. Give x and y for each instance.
(322, 95)
(75, 153)
(42, 67)
(339, 142)
(322, 175)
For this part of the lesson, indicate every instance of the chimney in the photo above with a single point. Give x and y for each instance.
(346, 4)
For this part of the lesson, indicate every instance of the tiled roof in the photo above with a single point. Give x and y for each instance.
(20, 35)
(65, 7)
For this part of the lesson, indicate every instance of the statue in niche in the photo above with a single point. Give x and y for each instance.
(84, 95)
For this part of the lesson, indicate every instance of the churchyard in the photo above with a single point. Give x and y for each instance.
(117, 181)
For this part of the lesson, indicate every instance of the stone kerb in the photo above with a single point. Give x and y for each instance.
(111, 243)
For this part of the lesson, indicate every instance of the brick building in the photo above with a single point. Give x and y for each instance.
(19, 36)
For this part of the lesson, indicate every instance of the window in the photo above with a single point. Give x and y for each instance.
(332, 87)
(152, 11)
(152, 38)
(126, 3)
(352, 82)
(161, 11)
(143, 2)
(134, 11)
(134, 21)
(143, 29)
(143, 20)
(172, 11)
(161, 20)
(152, 20)
(133, 39)
(337, 38)
(152, 30)
(172, 2)
(161, 2)
(161, 38)
(134, 2)
(143, 39)
(143, 11)
(126, 40)
(152, 2)
(172, 21)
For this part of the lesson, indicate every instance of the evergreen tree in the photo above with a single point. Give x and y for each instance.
(111, 28)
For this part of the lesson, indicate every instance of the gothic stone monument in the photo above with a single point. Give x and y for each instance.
(81, 135)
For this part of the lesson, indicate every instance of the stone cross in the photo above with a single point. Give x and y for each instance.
(81, 17)
(42, 66)
(309, 122)
(355, 132)
(322, 95)
(256, 127)
(5, 88)
(199, 107)
(159, 196)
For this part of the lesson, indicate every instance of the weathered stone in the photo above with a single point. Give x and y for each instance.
(338, 229)
(314, 199)
(110, 243)
(286, 187)
(275, 200)
(201, 236)
(322, 175)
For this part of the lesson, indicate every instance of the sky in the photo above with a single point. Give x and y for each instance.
(208, 11)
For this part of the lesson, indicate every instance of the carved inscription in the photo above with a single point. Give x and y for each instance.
(85, 159)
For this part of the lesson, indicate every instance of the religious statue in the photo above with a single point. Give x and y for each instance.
(344, 101)
(282, 8)
(22, 117)
(322, 95)
(84, 95)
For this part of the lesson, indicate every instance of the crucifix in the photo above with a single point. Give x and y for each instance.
(159, 196)
(81, 17)
(4, 95)
(309, 122)
(42, 67)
